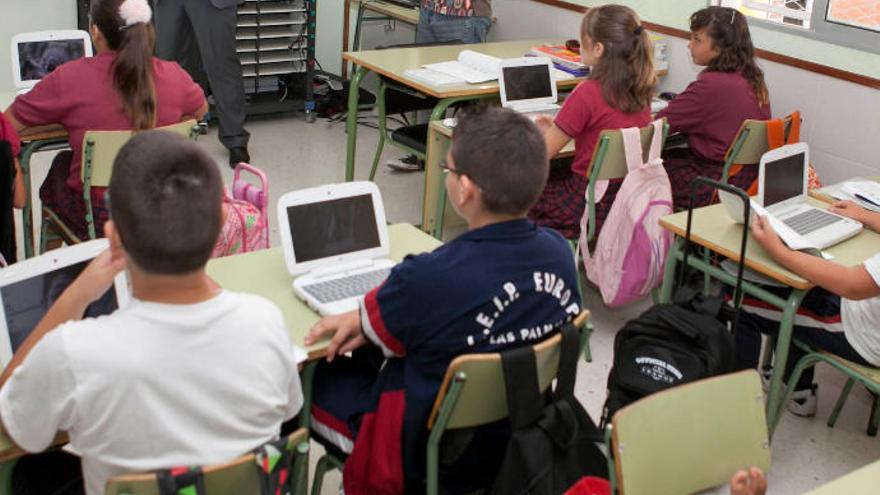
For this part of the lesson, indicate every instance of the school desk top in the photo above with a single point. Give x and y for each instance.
(713, 228)
(264, 273)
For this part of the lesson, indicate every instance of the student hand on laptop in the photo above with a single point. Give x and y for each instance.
(345, 329)
(764, 234)
(851, 209)
(543, 122)
(97, 278)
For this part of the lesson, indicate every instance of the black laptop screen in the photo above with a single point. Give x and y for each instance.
(526, 82)
(27, 301)
(784, 179)
(333, 228)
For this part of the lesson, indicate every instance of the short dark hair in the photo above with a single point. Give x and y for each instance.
(504, 153)
(165, 200)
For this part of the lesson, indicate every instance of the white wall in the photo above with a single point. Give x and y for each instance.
(841, 119)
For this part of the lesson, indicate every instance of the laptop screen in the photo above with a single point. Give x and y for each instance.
(38, 58)
(332, 228)
(784, 179)
(26, 301)
(526, 82)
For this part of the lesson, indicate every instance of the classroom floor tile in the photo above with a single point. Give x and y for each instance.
(806, 453)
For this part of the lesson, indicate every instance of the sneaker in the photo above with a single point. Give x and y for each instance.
(766, 372)
(409, 163)
(803, 402)
(237, 155)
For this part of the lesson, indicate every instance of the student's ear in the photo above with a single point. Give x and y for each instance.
(112, 235)
(598, 50)
(97, 35)
(467, 190)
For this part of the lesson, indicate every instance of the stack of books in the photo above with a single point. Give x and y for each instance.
(563, 59)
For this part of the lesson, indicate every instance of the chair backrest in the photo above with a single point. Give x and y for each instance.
(750, 142)
(691, 437)
(101, 147)
(483, 397)
(237, 477)
(609, 158)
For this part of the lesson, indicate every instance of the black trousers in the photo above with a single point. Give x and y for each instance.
(201, 38)
(48, 473)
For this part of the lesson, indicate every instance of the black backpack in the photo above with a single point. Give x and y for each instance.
(554, 439)
(675, 343)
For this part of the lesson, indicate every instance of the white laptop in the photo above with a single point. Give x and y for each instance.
(30, 287)
(335, 243)
(782, 192)
(527, 85)
(36, 54)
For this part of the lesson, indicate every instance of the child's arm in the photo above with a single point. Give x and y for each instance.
(850, 282)
(553, 136)
(870, 219)
(88, 287)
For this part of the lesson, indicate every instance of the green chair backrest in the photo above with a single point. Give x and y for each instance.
(750, 142)
(238, 477)
(609, 158)
(691, 437)
(101, 147)
(483, 398)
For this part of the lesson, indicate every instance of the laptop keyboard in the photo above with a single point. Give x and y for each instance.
(810, 220)
(351, 286)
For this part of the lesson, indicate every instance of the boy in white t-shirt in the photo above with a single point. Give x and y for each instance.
(841, 316)
(187, 374)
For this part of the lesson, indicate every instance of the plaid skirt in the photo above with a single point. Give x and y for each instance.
(68, 204)
(683, 167)
(561, 206)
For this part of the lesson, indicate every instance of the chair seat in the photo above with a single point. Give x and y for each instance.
(413, 136)
(869, 372)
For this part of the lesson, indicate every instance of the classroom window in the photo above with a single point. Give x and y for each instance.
(852, 23)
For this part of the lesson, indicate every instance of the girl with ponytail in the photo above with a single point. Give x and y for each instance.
(123, 87)
(711, 110)
(617, 94)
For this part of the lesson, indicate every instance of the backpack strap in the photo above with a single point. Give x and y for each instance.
(273, 462)
(656, 141)
(521, 384)
(632, 147)
(181, 481)
(568, 359)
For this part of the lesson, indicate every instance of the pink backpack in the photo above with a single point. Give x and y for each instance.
(247, 220)
(631, 248)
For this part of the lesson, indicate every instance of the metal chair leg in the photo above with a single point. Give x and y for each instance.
(383, 128)
(320, 470)
(875, 416)
(838, 406)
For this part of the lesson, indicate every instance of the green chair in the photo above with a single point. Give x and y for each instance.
(689, 438)
(868, 376)
(473, 394)
(749, 144)
(99, 150)
(238, 477)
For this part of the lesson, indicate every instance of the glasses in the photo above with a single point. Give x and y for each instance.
(444, 166)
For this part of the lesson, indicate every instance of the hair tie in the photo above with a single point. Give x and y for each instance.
(638, 30)
(134, 12)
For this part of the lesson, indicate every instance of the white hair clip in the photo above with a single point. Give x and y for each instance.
(134, 12)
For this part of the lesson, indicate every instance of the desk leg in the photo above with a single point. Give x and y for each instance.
(780, 357)
(307, 378)
(351, 122)
(670, 271)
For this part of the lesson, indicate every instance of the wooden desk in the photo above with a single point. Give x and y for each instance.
(385, 11)
(826, 194)
(435, 208)
(713, 229)
(264, 273)
(393, 64)
(862, 480)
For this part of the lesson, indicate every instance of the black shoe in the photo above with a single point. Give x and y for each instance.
(409, 163)
(237, 155)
